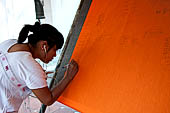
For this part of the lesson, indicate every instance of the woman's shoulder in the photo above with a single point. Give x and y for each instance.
(24, 60)
(21, 56)
(27, 59)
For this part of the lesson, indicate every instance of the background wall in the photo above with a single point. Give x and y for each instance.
(124, 55)
(14, 14)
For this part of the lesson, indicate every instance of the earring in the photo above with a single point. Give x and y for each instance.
(45, 49)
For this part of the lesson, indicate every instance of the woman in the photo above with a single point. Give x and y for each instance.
(20, 74)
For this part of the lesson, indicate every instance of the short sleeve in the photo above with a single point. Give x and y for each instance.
(36, 80)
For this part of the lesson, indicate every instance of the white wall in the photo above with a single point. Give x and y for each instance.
(63, 13)
(14, 14)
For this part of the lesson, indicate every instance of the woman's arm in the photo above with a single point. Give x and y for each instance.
(48, 97)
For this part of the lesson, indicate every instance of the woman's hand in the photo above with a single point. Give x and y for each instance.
(72, 69)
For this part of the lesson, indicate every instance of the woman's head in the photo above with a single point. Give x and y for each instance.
(43, 37)
(43, 32)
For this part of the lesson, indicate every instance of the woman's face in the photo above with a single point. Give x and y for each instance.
(50, 54)
(43, 52)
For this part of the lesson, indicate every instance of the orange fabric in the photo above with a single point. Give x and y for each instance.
(124, 56)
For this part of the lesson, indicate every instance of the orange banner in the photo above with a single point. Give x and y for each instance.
(124, 56)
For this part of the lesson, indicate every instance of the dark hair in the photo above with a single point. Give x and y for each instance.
(44, 32)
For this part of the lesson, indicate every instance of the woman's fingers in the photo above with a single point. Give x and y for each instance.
(72, 69)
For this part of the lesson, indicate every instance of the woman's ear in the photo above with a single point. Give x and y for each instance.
(44, 45)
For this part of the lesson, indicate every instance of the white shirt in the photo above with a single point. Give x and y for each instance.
(28, 73)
